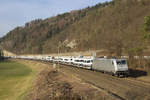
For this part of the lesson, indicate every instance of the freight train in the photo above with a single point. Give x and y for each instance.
(117, 67)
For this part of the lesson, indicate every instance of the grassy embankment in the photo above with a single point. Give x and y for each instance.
(15, 80)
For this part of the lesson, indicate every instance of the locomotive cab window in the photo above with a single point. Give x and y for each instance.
(118, 62)
(123, 62)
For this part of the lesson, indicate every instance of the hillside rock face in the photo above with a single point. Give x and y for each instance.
(112, 25)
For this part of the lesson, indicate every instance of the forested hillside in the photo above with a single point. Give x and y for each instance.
(116, 26)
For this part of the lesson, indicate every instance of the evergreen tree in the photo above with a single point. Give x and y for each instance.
(1, 55)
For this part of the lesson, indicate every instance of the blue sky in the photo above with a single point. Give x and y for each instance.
(15, 13)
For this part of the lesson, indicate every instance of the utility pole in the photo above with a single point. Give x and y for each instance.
(94, 54)
(58, 53)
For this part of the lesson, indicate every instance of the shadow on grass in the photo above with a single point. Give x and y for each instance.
(137, 73)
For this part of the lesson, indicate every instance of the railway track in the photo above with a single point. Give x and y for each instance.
(121, 88)
(138, 81)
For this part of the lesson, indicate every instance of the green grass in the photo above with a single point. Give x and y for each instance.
(15, 79)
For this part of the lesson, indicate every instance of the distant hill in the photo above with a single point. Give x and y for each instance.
(114, 26)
